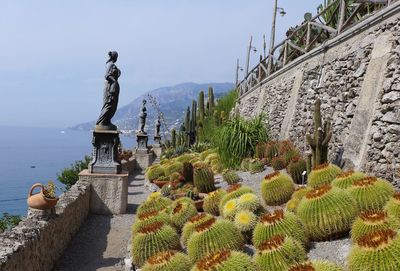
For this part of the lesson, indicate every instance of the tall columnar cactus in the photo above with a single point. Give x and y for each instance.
(187, 172)
(169, 260)
(201, 108)
(371, 193)
(319, 142)
(279, 223)
(296, 168)
(225, 260)
(173, 138)
(216, 118)
(376, 251)
(193, 123)
(370, 221)
(278, 253)
(152, 239)
(210, 101)
(187, 127)
(277, 188)
(323, 174)
(327, 212)
(204, 179)
(213, 235)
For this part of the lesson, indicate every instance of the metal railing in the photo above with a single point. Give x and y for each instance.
(332, 20)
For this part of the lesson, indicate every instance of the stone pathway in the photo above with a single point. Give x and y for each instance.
(102, 242)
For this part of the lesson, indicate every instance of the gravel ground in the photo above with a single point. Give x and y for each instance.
(102, 242)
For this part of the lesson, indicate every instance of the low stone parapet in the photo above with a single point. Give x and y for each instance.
(37, 244)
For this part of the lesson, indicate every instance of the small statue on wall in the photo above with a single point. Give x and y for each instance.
(158, 126)
(142, 117)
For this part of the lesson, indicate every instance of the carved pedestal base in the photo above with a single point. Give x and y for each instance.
(157, 141)
(141, 146)
(105, 153)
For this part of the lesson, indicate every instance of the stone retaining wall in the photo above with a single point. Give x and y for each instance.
(357, 77)
(36, 245)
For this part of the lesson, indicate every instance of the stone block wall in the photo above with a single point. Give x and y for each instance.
(357, 77)
(35, 245)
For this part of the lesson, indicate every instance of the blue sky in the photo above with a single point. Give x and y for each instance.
(53, 52)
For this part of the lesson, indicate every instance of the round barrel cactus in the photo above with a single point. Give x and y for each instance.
(191, 224)
(170, 260)
(245, 221)
(212, 200)
(181, 212)
(371, 193)
(278, 253)
(225, 260)
(230, 209)
(213, 235)
(279, 223)
(327, 212)
(249, 201)
(231, 177)
(234, 191)
(204, 179)
(152, 239)
(316, 265)
(277, 188)
(154, 202)
(148, 218)
(393, 206)
(323, 174)
(347, 178)
(379, 250)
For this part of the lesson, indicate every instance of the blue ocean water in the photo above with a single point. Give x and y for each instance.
(30, 155)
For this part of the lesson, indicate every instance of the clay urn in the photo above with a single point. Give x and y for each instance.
(40, 201)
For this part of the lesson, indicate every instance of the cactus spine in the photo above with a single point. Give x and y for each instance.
(319, 142)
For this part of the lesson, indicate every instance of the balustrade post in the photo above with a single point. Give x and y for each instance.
(308, 41)
(342, 15)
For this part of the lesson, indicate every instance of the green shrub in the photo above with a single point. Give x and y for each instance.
(9, 221)
(69, 176)
(237, 138)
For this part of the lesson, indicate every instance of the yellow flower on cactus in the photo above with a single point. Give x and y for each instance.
(247, 197)
(245, 220)
(229, 210)
(154, 195)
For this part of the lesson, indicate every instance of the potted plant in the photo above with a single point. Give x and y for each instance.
(45, 199)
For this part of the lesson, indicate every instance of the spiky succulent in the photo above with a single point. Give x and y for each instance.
(154, 172)
(323, 174)
(152, 239)
(225, 260)
(278, 253)
(234, 191)
(182, 212)
(174, 176)
(245, 165)
(187, 172)
(231, 177)
(290, 155)
(213, 235)
(272, 150)
(191, 224)
(230, 209)
(204, 179)
(294, 201)
(370, 221)
(248, 201)
(277, 188)
(204, 154)
(327, 212)
(347, 178)
(278, 163)
(155, 202)
(261, 149)
(316, 265)
(184, 158)
(173, 167)
(169, 260)
(393, 206)
(296, 168)
(379, 250)
(148, 218)
(245, 221)
(279, 223)
(371, 193)
(212, 200)
(256, 166)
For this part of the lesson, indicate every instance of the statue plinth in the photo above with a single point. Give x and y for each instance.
(105, 152)
(157, 141)
(142, 140)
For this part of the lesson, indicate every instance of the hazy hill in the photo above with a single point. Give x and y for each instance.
(173, 101)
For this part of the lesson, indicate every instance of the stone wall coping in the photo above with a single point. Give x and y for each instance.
(85, 172)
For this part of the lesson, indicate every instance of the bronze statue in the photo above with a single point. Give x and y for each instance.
(142, 117)
(111, 94)
(158, 125)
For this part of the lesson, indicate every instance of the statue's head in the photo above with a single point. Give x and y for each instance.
(112, 56)
(144, 101)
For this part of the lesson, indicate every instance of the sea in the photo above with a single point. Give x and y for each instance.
(32, 155)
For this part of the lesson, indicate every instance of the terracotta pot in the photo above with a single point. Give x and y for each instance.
(39, 200)
(159, 183)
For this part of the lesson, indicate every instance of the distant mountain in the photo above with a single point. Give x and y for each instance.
(173, 102)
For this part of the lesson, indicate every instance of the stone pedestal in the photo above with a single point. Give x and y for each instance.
(142, 140)
(109, 194)
(37, 214)
(105, 152)
(157, 141)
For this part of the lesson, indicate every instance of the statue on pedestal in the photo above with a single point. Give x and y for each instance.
(158, 125)
(142, 118)
(111, 94)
